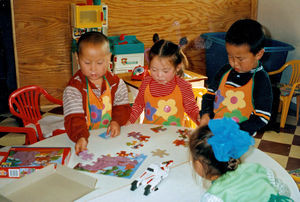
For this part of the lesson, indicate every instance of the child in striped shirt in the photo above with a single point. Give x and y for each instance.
(164, 95)
(94, 97)
(241, 90)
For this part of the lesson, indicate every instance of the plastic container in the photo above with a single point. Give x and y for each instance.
(216, 55)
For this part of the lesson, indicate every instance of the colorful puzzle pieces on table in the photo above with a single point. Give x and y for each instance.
(182, 137)
(178, 142)
(157, 129)
(140, 139)
(122, 165)
(105, 135)
(184, 133)
(160, 153)
(84, 155)
(138, 136)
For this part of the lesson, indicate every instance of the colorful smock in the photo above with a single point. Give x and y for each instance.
(234, 102)
(165, 110)
(98, 109)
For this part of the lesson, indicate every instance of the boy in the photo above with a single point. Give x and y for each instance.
(94, 97)
(241, 89)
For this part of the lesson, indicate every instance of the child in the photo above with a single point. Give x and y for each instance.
(215, 150)
(164, 95)
(94, 97)
(241, 89)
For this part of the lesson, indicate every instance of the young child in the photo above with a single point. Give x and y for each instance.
(241, 89)
(215, 151)
(94, 97)
(164, 95)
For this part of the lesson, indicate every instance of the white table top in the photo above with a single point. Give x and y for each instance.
(181, 184)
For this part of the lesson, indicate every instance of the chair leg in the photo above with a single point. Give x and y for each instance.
(298, 107)
(285, 110)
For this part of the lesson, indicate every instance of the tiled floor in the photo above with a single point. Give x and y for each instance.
(284, 146)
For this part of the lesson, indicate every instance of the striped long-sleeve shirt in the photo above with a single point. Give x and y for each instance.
(261, 94)
(159, 90)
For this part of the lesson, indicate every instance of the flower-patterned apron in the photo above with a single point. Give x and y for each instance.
(166, 110)
(234, 102)
(98, 109)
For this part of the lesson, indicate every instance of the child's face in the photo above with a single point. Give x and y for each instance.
(93, 61)
(241, 59)
(162, 70)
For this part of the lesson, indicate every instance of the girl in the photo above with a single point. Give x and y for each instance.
(164, 95)
(215, 151)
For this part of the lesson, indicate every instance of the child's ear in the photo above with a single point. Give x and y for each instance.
(260, 54)
(76, 56)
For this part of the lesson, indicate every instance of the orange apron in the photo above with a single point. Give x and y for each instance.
(166, 110)
(234, 102)
(98, 109)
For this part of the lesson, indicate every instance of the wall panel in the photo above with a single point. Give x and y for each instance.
(43, 33)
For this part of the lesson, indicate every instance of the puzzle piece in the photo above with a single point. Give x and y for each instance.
(178, 142)
(84, 155)
(137, 146)
(104, 135)
(144, 138)
(135, 135)
(124, 153)
(184, 133)
(157, 129)
(160, 153)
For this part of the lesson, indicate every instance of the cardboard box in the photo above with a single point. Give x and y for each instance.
(49, 184)
(20, 161)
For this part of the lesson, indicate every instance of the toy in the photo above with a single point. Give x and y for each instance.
(139, 72)
(152, 176)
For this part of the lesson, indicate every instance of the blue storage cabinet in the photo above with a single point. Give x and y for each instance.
(216, 55)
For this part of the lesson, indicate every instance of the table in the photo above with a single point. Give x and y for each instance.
(180, 185)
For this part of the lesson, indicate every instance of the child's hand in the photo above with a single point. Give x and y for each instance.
(113, 129)
(204, 120)
(80, 145)
(127, 123)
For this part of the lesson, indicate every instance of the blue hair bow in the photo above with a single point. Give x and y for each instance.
(228, 140)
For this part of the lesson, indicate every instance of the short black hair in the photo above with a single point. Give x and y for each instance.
(94, 38)
(246, 31)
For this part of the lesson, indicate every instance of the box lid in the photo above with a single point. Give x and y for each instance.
(50, 184)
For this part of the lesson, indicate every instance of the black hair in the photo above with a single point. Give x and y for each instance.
(246, 31)
(202, 151)
(94, 38)
(170, 50)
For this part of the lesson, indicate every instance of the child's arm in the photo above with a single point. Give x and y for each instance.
(189, 101)
(120, 106)
(75, 122)
(139, 103)
(113, 129)
(262, 101)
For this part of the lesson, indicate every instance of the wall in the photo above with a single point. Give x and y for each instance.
(281, 20)
(43, 34)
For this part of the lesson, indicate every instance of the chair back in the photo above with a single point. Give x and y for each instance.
(25, 104)
(295, 74)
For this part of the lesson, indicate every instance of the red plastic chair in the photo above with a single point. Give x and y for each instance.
(30, 133)
(25, 104)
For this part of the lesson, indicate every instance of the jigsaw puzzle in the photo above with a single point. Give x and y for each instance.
(122, 165)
